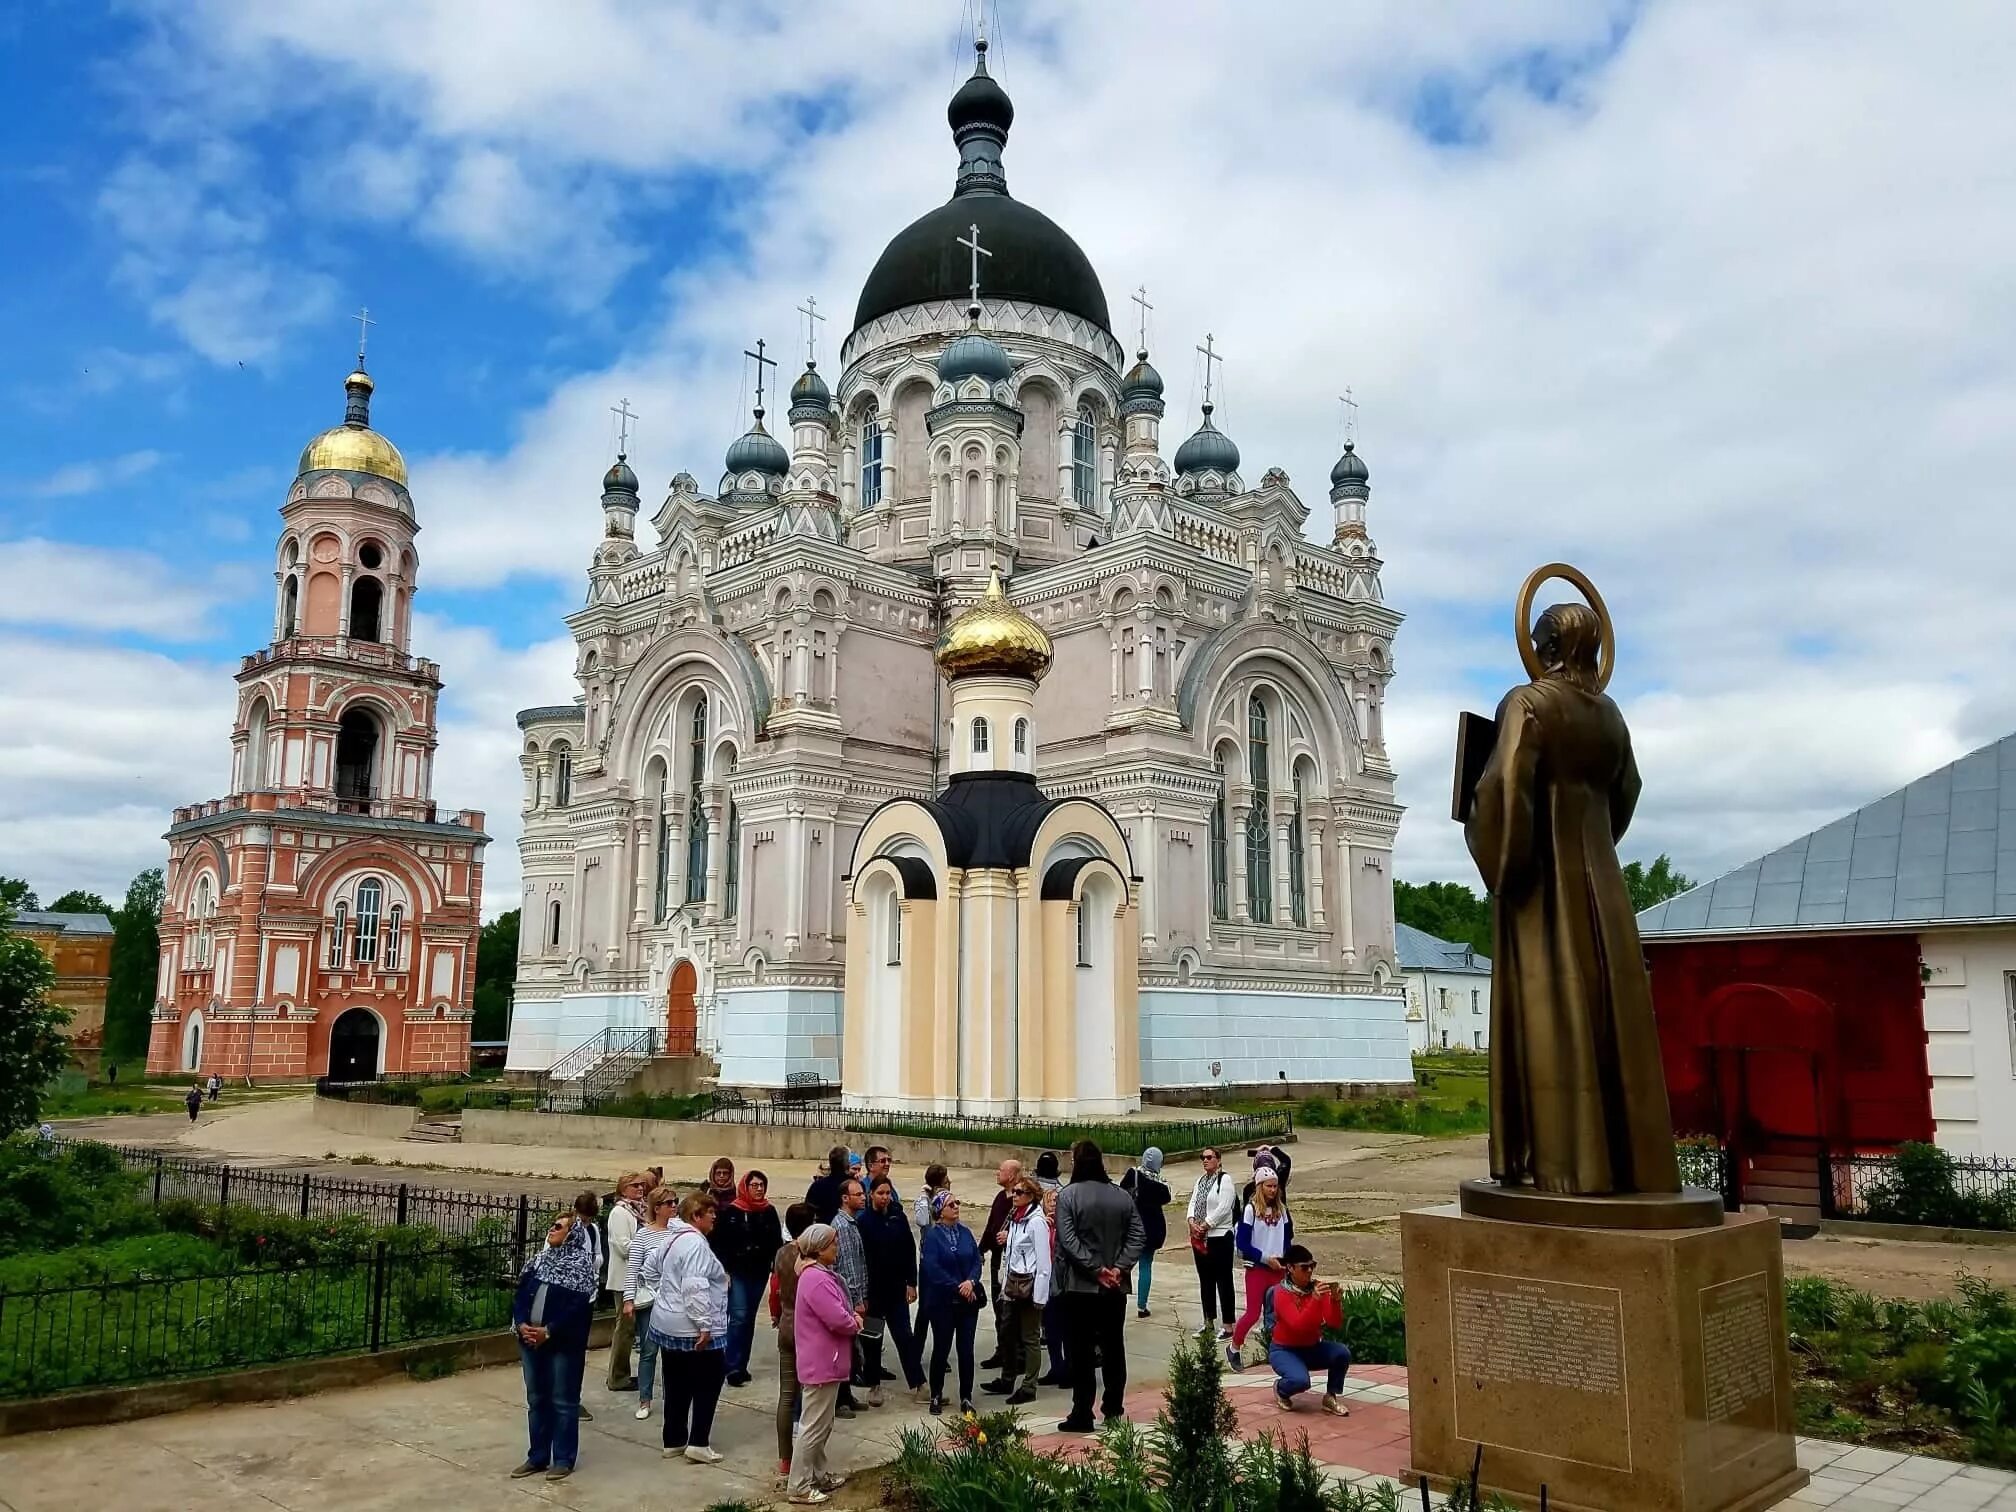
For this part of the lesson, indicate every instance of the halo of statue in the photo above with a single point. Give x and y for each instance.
(1522, 620)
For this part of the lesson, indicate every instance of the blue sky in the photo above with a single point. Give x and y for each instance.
(1714, 300)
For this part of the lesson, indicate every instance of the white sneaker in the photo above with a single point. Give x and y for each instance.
(700, 1454)
(643, 1411)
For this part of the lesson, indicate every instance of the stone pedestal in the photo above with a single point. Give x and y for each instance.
(1626, 1370)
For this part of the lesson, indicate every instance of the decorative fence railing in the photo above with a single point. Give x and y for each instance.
(148, 1328)
(1920, 1184)
(1710, 1166)
(302, 1194)
(403, 1088)
(1115, 1137)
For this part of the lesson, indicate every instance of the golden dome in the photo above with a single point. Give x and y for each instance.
(994, 638)
(354, 448)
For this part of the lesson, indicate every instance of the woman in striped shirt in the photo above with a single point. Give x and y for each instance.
(638, 1298)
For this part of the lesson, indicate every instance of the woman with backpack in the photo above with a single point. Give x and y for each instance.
(1151, 1195)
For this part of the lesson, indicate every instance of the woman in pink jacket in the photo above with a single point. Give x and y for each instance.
(824, 1324)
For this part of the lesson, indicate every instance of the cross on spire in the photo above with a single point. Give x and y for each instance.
(364, 324)
(624, 415)
(813, 320)
(978, 252)
(1140, 297)
(761, 362)
(1350, 416)
(1210, 356)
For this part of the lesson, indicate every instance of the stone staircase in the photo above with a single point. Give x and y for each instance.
(446, 1129)
(1787, 1183)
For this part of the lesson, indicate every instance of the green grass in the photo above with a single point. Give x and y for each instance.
(107, 1102)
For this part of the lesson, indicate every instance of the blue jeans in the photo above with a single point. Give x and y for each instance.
(745, 1299)
(951, 1325)
(647, 1356)
(909, 1347)
(1144, 1269)
(1053, 1334)
(1292, 1363)
(553, 1400)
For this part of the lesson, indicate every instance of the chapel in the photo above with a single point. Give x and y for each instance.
(776, 758)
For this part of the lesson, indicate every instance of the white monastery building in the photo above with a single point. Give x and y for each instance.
(713, 842)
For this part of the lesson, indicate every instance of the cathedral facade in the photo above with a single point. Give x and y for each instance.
(759, 684)
(321, 918)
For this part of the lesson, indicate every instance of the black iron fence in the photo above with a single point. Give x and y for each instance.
(303, 1194)
(1710, 1166)
(1920, 1184)
(148, 1328)
(1128, 1137)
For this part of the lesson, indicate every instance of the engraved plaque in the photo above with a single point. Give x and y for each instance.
(1531, 1352)
(1739, 1389)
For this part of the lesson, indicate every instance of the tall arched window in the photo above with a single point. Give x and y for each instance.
(871, 458)
(255, 746)
(1298, 881)
(395, 917)
(356, 760)
(731, 865)
(367, 602)
(553, 925)
(1085, 931)
(563, 775)
(696, 811)
(895, 929)
(1259, 856)
(370, 897)
(1021, 737)
(1085, 460)
(336, 935)
(202, 909)
(1221, 886)
(980, 737)
(290, 606)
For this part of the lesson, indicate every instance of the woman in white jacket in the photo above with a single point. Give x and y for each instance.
(1025, 1272)
(689, 1325)
(1213, 1211)
(630, 1213)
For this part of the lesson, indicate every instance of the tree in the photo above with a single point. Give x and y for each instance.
(33, 1048)
(78, 901)
(1654, 884)
(1447, 910)
(136, 959)
(496, 969)
(16, 896)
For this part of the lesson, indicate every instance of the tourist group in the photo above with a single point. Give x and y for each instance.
(839, 1273)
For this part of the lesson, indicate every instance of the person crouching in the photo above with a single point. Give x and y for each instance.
(1298, 1310)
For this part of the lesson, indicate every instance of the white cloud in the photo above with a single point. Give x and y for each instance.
(74, 479)
(1723, 313)
(57, 585)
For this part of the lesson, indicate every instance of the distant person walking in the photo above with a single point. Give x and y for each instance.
(112, 1074)
(689, 1323)
(950, 1271)
(1027, 1268)
(1151, 1195)
(754, 1233)
(1265, 1232)
(631, 1213)
(193, 1101)
(638, 1297)
(550, 1313)
(825, 1326)
(216, 1085)
(1099, 1238)
(1213, 1212)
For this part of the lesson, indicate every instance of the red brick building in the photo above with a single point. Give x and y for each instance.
(322, 919)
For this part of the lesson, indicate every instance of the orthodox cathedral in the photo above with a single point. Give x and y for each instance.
(959, 746)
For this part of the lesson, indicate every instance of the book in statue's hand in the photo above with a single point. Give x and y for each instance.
(1476, 734)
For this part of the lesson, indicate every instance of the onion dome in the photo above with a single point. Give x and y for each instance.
(810, 398)
(1141, 388)
(973, 355)
(1350, 468)
(353, 446)
(756, 450)
(1208, 450)
(994, 639)
(619, 478)
(1032, 259)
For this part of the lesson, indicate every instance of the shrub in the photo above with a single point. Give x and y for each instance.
(1921, 1186)
(1375, 1324)
(79, 1194)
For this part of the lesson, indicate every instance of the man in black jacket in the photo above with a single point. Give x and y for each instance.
(1099, 1237)
(1007, 1356)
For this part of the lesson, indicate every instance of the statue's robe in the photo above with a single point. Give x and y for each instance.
(1578, 1095)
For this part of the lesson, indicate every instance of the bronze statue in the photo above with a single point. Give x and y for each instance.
(1578, 1094)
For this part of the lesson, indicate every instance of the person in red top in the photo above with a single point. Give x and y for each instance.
(1298, 1310)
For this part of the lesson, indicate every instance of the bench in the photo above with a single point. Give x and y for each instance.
(803, 1087)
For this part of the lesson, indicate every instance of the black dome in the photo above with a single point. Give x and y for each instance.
(1034, 260)
(982, 102)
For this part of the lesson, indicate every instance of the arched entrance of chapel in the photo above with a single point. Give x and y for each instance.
(354, 1046)
(192, 1042)
(682, 1011)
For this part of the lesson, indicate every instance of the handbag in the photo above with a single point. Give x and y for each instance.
(1021, 1287)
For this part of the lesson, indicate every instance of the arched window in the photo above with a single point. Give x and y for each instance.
(1085, 931)
(553, 925)
(1298, 882)
(871, 458)
(367, 600)
(895, 930)
(563, 775)
(1021, 737)
(290, 606)
(203, 908)
(1259, 855)
(394, 918)
(696, 811)
(1221, 886)
(1085, 460)
(336, 935)
(980, 737)
(370, 896)
(731, 879)
(356, 760)
(255, 746)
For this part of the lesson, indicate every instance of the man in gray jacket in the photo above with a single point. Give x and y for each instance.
(1099, 1237)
